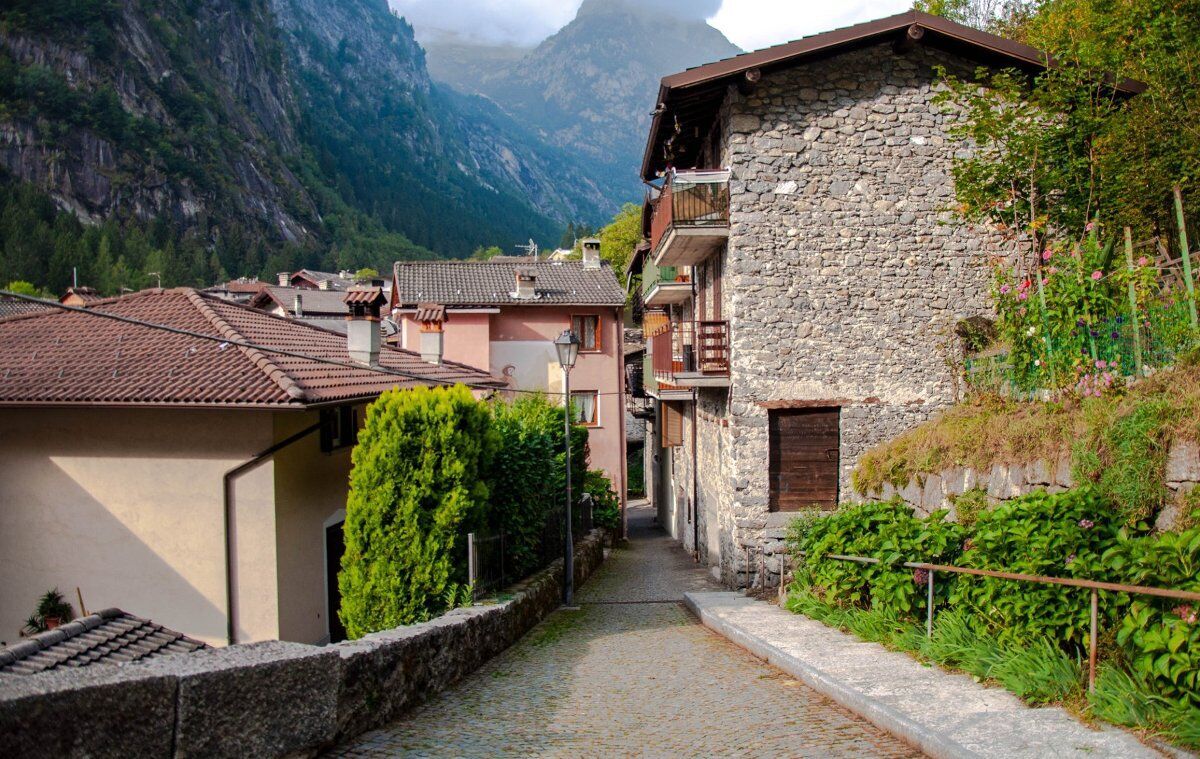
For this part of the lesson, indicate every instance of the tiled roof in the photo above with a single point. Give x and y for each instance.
(108, 637)
(491, 283)
(14, 306)
(74, 358)
(312, 301)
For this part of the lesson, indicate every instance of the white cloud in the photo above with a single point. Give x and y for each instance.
(750, 24)
(754, 24)
(513, 22)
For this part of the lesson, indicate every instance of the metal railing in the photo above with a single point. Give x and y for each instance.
(485, 562)
(690, 199)
(762, 577)
(684, 347)
(486, 567)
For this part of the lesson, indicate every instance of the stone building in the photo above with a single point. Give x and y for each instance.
(804, 275)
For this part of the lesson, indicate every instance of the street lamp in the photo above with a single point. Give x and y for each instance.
(567, 346)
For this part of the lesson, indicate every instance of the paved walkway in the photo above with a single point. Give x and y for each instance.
(632, 673)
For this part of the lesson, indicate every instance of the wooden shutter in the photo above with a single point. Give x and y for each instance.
(804, 458)
(672, 425)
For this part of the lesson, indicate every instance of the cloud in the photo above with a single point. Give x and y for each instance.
(754, 24)
(751, 24)
(500, 22)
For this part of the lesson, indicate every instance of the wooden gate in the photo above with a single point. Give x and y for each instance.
(804, 458)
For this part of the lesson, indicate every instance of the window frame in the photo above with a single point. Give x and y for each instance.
(595, 422)
(599, 348)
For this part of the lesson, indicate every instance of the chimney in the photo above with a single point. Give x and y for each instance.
(284, 278)
(325, 284)
(526, 284)
(298, 306)
(591, 253)
(363, 336)
(431, 316)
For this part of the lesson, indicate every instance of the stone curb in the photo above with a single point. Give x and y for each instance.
(879, 714)
(987, 722)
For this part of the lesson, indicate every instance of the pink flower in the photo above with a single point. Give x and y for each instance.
(1090, 226)
(1070, 559)
(1086, 524)
(1186, 613)
(1100, 364)
(1143, 261)
(920, 576)
(1004, 289)
(1046, 254)
(1022, 295)
(1097, 275)
(1108, 378)
(1053, 270)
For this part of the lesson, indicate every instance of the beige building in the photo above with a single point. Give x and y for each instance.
(196, 481)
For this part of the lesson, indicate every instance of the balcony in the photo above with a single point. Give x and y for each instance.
(664, 286)
(690, 218)
(688, 355)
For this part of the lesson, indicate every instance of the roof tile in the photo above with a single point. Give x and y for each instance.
(486, 283)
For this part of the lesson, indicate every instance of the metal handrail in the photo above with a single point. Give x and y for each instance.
(1095, 586)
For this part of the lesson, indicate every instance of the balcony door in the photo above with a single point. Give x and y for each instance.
(805, 456)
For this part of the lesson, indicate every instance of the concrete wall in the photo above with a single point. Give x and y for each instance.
(844, 273)
(269, 699)
(127, 506)
(310, 488)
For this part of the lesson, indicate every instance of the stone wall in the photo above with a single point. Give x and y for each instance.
(845, 274)
(268, 699)
(929, 493)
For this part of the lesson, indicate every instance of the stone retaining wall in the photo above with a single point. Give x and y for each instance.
(269, 699)
(931, 492)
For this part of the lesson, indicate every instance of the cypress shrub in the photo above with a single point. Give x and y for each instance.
(416, 489)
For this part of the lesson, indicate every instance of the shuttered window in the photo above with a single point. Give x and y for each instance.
(672, 425)
(804, 458)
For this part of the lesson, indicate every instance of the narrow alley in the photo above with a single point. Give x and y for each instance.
(630, 673)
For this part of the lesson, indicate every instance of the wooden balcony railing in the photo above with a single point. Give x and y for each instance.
(680, 348)
(690, 199)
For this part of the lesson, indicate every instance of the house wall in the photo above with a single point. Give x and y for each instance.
(126, 505)
(844, 273)
(467, 338)
(310, 488)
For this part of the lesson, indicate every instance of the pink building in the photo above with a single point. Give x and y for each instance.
(503, 316)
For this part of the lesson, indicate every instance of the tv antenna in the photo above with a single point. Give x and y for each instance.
(530, 248)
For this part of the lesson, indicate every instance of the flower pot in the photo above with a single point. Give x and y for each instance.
(52, 622)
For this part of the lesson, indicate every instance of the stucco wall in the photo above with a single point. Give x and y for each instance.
(310, 488)
(845, 274)
(127, 506)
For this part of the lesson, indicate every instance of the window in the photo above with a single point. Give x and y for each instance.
(672, 425)
(585, 407)
(588, 330)
(339, 428)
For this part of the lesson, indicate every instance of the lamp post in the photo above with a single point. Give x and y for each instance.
(567, 346)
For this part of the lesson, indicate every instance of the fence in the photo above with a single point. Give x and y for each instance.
(1132, 338)
(487, 569)
(1093, 586)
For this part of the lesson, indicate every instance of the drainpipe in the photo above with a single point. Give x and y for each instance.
(230, 476)
(695, 428)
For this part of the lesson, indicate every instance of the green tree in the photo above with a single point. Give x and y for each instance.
(620, 237)
(21, 287)
(486, 254)
(366, 274)
(416, 489)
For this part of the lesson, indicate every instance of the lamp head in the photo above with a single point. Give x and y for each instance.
(567, 346)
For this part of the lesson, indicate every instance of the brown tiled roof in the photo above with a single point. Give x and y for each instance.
(14, 306)
(75, 358)
(364, 296)
(243, 285)
(107, 637)
(691, 98)
(83, 293)
(488, 283)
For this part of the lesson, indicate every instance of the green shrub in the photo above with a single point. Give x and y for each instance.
(526, 480)
(1161, 636)
(1061, 535)
(415, 491)
(1123, 700)
(606, 504)
(886, 531)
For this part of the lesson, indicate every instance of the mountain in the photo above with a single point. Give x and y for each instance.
(590, 88)
(225, 137)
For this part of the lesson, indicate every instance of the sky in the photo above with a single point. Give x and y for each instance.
(749, 24)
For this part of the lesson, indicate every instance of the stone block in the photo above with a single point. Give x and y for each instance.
(1183, 462)
(953, 482)
(97, 711)
(256, 699)
(1040, 473)
(911, 493)
(1062, 473)
(932, 497)
(1006, 481)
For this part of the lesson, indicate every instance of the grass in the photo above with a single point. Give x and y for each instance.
(1118, 442)
(1039, 672)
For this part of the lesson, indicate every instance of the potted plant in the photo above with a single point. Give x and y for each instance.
(52, 611)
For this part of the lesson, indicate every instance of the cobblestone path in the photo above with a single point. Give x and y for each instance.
(631, 673)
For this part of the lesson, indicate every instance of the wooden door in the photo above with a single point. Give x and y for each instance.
(804, 458)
